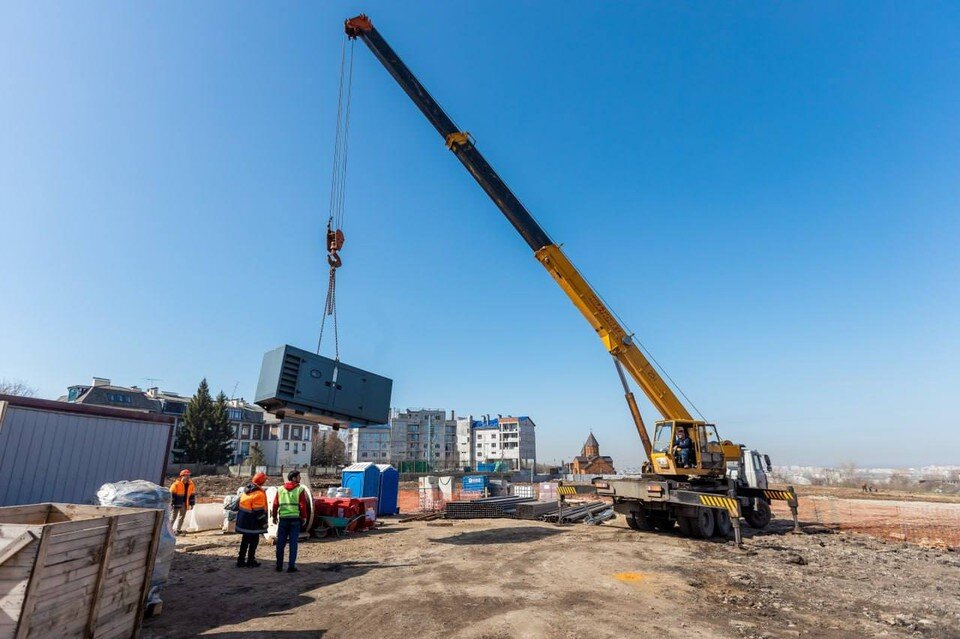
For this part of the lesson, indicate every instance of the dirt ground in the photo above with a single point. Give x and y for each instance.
(491, 579)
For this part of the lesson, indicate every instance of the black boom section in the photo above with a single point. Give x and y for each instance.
(463, 148)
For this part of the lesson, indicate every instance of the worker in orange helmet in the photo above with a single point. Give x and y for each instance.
(252, 520)
(184, 497)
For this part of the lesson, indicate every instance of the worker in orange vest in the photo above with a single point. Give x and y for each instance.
(252, 520)
(184, 497)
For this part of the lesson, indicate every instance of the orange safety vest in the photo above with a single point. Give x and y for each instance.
(177, 489)
(255, 500)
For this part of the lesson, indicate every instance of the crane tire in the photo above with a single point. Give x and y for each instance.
(758, 516)
(638, 521)
(703, 524)
(723, 527)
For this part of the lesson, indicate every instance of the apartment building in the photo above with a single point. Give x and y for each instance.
(284, 442)
(509, 440)
(424, 435)
(370, 444)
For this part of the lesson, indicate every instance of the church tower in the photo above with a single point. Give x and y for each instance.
(590, 447)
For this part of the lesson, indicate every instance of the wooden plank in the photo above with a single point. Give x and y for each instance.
(30, 598)
(31, 514)
(104, 560)
(11, 531)
(9, 572)
(13, 588)
(148, 572)
(16, 545)
(121, 625)
(73, 576)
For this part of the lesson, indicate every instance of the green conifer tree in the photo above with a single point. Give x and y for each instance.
(191, 438)
(219, 433)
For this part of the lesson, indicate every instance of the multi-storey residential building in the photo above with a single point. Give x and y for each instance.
(370, 444)
(284, 442)
(510, 440)
(423, 435)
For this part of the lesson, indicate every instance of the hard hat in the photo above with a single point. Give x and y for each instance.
(184, 473)
(259, 479)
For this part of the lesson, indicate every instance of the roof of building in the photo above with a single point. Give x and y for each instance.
(583, 459)
(591, 441)
(85, 409)
(100, 396)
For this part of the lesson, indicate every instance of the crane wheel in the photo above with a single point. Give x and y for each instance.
(700, 526)
(723, 527)
(638, 521)
(759, 515)
(663, 524)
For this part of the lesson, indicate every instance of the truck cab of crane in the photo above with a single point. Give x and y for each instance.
(752, 469)
(708, 456)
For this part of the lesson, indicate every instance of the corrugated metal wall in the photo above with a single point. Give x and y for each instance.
(49, 455)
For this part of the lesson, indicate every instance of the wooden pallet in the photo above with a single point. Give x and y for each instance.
(67, 569)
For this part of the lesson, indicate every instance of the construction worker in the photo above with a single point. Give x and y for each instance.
(683, 446)
(289, 512)
(252, 520)
(183, 493)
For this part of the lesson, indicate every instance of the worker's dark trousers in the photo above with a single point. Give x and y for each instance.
(288, 529)
(248, 547)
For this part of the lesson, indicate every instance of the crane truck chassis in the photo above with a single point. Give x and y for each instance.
(711, 484)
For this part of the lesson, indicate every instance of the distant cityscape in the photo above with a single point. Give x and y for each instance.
(415, 439)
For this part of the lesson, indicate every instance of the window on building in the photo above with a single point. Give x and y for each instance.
(258, 431)
(235, 414)
(118, 398)
(286, 433)
(295, 433)
(306, 433)
(245, 431)
(245, 449)
(286, 445)
(296, 448)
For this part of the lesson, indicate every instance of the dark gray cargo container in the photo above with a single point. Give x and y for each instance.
(322, 390)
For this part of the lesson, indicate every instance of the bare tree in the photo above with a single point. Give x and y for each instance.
(16, 387)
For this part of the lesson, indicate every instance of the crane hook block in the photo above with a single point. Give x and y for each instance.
(355, 26)
(334, 240)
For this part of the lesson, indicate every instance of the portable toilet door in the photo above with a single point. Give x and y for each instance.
(363, 479)
(388, 502)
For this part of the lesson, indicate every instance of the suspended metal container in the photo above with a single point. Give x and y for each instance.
(322, 390)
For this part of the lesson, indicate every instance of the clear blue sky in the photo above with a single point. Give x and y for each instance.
(767, 193)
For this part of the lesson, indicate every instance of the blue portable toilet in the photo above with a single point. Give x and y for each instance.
(363, 479)
(389, 498)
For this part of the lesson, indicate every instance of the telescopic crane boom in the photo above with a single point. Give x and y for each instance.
(616, 339)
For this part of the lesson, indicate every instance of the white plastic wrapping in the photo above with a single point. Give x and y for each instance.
(204, 517)
(145, 494)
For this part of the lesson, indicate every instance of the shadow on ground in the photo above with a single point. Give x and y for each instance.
(270, 634)
(516, 535)
(209, 591)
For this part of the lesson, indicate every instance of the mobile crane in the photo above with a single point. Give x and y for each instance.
(706, 490)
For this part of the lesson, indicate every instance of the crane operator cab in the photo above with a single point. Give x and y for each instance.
(687, 447)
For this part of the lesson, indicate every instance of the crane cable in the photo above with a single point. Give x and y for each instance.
(334, 237)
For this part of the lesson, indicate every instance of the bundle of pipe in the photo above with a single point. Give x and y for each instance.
(536, 509)
(485, 508)
(575, 512)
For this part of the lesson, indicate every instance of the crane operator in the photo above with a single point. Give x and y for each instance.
(683, 448)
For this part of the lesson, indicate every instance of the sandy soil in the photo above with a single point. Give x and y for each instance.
(487, 579)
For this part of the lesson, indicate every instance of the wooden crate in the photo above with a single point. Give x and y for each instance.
(75, 571)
